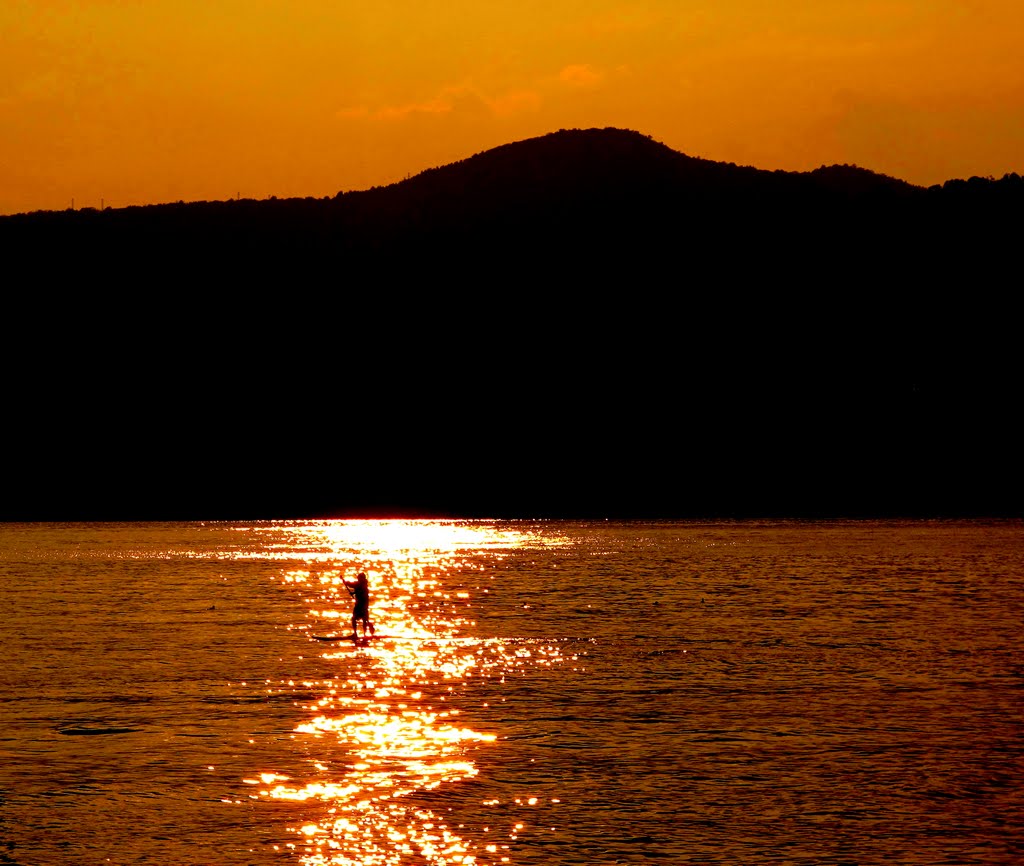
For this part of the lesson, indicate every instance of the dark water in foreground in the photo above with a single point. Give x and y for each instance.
(550, 693)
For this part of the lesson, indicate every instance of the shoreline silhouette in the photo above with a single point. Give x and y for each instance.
(583, 324)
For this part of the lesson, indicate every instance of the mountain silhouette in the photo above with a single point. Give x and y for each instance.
(584, 323)
(572, 200)
(607, 166)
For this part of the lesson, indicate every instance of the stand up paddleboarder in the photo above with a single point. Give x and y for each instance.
(359, 589)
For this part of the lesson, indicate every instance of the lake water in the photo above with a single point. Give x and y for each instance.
(542, 693)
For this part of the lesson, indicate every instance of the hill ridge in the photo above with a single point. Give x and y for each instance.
(627, 142)
(599, 200)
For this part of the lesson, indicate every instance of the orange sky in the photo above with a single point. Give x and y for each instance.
(138, 101)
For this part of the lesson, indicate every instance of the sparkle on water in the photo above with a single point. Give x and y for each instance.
(390, 714)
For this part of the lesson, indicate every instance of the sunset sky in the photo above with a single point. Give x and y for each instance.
(128, 102)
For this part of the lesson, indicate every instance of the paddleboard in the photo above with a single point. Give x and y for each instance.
(368, 638)
(333, 637)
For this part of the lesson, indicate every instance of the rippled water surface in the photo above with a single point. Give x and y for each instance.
(536, 693)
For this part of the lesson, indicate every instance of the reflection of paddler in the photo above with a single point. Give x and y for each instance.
(359, 589)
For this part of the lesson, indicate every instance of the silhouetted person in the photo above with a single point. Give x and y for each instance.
(359, 589)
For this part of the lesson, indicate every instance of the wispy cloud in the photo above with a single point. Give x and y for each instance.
(458, 98)
(581, 75)
(473, 98)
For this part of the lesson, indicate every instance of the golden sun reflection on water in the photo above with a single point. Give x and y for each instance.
(389, 714)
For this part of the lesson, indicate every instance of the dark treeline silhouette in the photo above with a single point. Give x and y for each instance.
(579, 199)
(583, 324)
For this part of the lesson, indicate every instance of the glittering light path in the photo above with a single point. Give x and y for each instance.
(390, 713)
